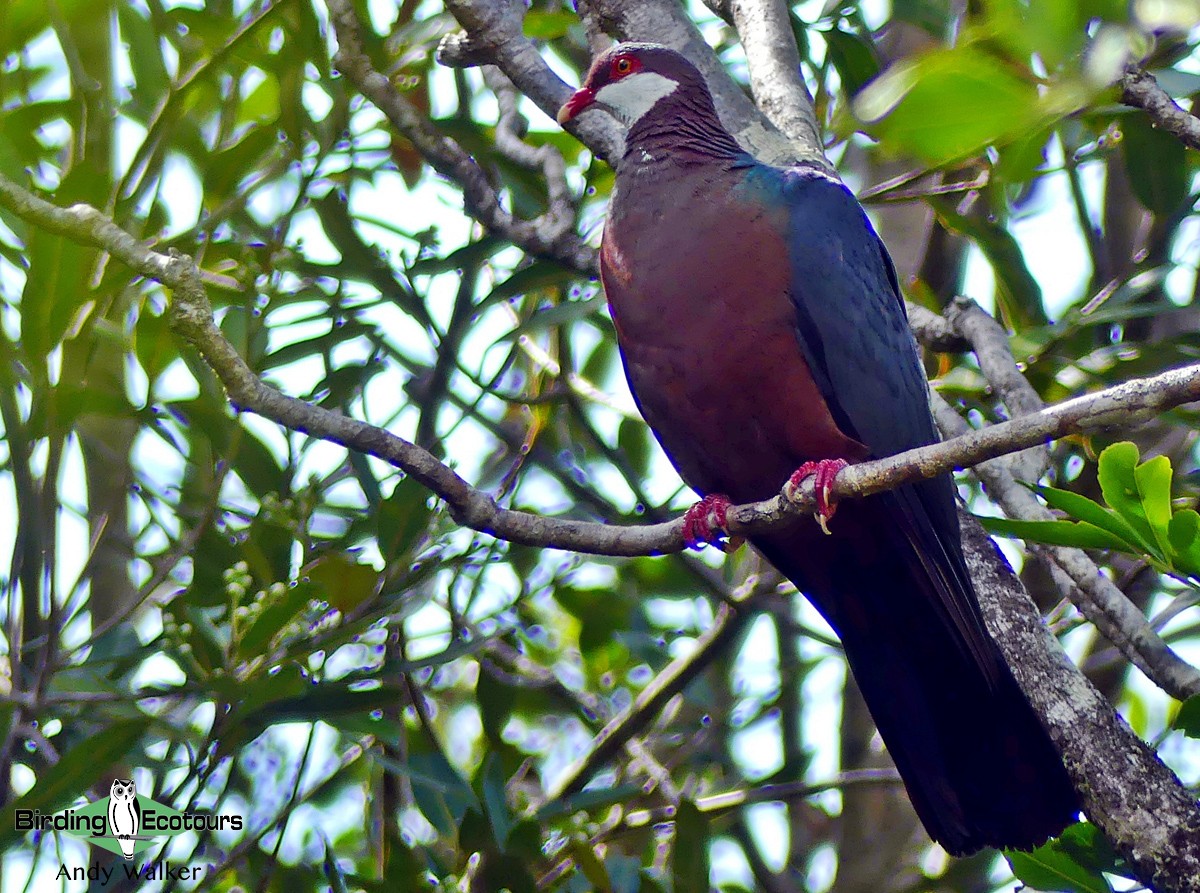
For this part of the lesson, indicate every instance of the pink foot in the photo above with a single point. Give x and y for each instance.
(826, 472)
(704, 524)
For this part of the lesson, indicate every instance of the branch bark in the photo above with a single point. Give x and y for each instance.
(492, 34)
(542, 237)
(1135, 800)
(1120, 406)
(774, 61)
(1140, 90)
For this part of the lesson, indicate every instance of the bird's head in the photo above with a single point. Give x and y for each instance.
(630, 79)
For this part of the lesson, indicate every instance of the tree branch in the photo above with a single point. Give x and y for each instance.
(539, 237)
(510, 131)
(934, 331)
(1135, 800)
(774, 61)
(666, 22)
(1094, 594)
(1120, 406)
(493, 35)
(1140, 90)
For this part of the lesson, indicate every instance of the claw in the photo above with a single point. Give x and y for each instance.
(704, 524)
(826, 472)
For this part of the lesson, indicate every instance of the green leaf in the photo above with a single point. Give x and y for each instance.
(1079, 506)
(535, 277)
(1118, 483)
(592, 868)
(441, 794)
(496, 701)
(342, 582)
(1187, 720)
(1084, 842)
(495, 803)
(274, 616)
(56, 290)
(1157, 164)
(1048, 869)
(1022, 157)
(689, 855)
(402, 518)
(590, 800)
(1185, 544)
(853, 57)
(947, 104)
(1153, 480)
(555, 316)
(1080, 534)
(548, 25)
(601, 614)
(1018, 293)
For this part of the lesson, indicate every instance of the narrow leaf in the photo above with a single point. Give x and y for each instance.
(1081, 534)
(1080, 507)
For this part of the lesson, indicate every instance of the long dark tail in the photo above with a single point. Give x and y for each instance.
(979, 767)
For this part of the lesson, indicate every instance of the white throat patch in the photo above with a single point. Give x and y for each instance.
(633, 96)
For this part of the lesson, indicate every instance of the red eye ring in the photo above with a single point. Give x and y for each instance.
(623, 65)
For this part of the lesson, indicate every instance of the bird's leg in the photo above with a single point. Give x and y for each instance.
(704, 524)
(826, 472)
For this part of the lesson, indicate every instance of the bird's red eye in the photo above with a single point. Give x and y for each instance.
(623, 65)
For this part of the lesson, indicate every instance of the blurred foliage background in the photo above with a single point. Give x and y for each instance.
(248, 620)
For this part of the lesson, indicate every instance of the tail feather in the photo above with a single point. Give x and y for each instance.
(978, 765)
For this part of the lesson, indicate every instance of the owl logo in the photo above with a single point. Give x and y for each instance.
(124, 816)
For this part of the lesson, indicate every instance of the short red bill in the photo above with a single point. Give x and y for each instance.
(580, 100)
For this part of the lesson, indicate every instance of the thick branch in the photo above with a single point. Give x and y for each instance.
(934, 331)
(559, 218)
(774, 62)
(1140, 90)
(1134, 799)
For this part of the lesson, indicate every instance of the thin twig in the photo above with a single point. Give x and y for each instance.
(447, 157)
(1121, 406)
(493, 34)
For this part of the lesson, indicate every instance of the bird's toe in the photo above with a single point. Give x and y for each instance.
(705, 524)
(825, 472)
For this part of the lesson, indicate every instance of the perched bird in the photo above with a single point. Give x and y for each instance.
(765, 339)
